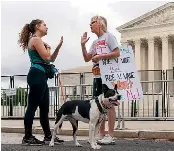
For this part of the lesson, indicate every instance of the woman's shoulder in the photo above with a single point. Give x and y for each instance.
(32, 42)
(35, 39)
(109, 34)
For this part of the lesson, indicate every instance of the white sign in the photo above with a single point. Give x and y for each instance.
(10, 92)
(122, 71)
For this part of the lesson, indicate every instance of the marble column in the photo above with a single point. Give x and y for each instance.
(151, 64)
(138, 54)
(157, 61)
(170, 54)
(170, 73)
(151, 58)
(157, 56)
(165, 53)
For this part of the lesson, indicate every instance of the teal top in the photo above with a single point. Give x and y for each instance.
(35, 57)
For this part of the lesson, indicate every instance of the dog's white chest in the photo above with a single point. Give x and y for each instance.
(78, 117)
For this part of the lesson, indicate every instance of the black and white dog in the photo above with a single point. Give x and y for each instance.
(88, 111)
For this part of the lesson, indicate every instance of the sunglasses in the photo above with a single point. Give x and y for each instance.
(93, 22)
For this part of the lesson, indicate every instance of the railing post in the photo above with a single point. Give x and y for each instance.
(157, 109)
(123, 124)
(10, 97)
(81, 86)
(56, 94)
(135, 108)
(132, 108)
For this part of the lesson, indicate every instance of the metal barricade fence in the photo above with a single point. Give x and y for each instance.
(77, 78)
(20, 102)
(154, 104)
(170, 74)
(158, 103)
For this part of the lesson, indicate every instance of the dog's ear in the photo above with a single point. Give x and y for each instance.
(105, 88)
(115, 88)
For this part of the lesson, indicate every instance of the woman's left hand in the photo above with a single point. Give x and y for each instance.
(96, 58)
(61, 41)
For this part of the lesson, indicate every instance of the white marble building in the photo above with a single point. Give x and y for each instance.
(152, 38)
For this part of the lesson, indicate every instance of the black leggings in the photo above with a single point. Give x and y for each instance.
(38, 96)
(97, 87)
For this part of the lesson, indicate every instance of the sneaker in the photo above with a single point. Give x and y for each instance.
(56, 140)
(107, 140)
(97, 138)
(32, 141)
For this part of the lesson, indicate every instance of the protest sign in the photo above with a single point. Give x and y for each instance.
(122, 71)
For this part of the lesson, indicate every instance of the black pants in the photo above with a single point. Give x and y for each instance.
(38, 96)
(97, 87)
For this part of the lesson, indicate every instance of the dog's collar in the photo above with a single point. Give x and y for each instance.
(104, 106)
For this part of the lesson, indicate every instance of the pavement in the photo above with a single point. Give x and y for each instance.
(12, 142)
(132, 130)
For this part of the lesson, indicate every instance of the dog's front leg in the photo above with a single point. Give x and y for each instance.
(95, 134)
(92, 127)
(90, 133)
(53, 135)
(96, 131)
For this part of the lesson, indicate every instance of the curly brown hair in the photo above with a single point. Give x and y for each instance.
(26, 32)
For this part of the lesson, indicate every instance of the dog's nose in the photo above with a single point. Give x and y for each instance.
(119, 97)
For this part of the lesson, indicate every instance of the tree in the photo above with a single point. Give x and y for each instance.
(2, 97)
(20, 97)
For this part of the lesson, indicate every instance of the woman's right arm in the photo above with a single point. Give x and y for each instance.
(40, 48)
(87, 56)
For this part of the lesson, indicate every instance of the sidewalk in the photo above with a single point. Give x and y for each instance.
(133, 129)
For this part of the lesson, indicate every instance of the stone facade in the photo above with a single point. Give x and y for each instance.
(152, 38)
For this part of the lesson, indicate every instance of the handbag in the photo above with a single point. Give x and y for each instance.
(50, 69)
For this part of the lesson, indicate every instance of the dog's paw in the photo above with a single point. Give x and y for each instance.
(51, 144)
(77, 144)
(96, 146)
(88, 141)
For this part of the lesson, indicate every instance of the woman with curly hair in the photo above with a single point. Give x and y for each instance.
(39, 54)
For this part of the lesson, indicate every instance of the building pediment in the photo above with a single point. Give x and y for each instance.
(159, 16)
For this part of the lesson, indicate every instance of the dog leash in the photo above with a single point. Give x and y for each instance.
(99, 106)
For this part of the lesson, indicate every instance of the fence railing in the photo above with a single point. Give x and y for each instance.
(157, 85)
(158, 101)
(82, 78)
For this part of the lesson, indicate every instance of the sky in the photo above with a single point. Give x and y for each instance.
(63, 18)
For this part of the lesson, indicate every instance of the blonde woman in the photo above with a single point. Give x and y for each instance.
(105, 42)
